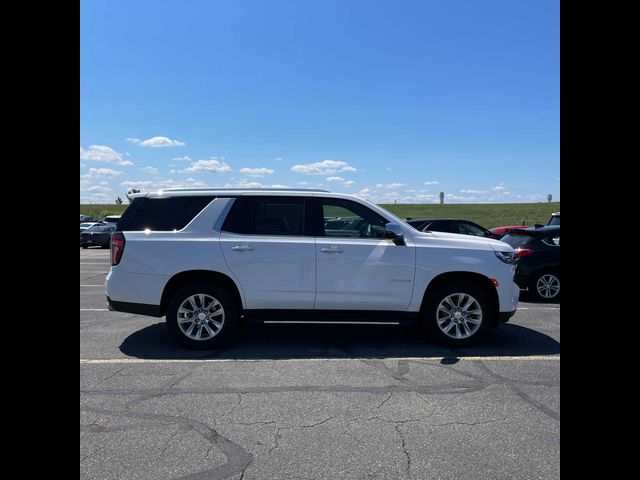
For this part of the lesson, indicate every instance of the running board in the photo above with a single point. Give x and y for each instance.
(350, 317)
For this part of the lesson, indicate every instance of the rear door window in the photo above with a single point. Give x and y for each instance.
(162, 214)
(255, 215)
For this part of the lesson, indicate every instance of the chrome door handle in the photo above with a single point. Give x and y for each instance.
(331, 250)
(242, 248)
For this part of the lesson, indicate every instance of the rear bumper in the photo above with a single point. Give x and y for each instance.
(503, 317)
(136, 308)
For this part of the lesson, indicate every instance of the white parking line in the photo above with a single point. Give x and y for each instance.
(538, 308)
(112, 361)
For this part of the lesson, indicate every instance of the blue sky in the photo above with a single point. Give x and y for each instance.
(377, 98)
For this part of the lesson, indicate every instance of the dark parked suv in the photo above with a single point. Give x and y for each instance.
(538, 252)
(98, 235)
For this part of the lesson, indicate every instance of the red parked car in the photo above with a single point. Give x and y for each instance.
(502, 231)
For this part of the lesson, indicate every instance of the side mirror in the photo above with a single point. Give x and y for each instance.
(393, 232)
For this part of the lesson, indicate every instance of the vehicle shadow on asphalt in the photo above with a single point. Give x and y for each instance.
(257, 341)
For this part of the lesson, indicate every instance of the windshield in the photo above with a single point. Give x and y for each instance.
(555, 220)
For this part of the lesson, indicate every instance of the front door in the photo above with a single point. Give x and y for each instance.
(357, 268)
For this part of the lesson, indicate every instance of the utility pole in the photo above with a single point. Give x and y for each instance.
(441, 198)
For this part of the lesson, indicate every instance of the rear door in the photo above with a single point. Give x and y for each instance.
(267, 246)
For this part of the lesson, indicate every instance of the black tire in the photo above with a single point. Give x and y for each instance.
(84, 246)
(437, 295)
(533, 289)
(229, 325)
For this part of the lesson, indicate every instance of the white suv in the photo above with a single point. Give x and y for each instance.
(208, 258)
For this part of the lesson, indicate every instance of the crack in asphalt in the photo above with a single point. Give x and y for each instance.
(238, 459)
(404, 448)
(384, 401)
(471, 424)
(110, 376)
(278, 431)
(513, 385)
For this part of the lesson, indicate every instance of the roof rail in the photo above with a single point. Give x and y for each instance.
(196, 189)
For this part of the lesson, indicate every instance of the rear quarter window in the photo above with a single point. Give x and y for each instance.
(162, 214)
(515, 240)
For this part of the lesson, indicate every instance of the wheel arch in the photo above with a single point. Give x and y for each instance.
(482, 281)
(184, 278)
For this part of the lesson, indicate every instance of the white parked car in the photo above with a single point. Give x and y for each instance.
(205, 258)
(113, 219)
(85, 225)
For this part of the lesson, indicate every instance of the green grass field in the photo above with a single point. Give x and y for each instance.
(487, 215)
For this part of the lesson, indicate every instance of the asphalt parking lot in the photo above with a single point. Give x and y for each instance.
(314, 401)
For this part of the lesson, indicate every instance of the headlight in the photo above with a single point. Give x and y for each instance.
(507, 257)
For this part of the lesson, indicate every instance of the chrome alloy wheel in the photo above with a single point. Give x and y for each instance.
(548, 286)
(200, 317)
(459, 315)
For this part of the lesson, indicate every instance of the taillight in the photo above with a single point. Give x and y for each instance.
(117, 247)
(523, 252)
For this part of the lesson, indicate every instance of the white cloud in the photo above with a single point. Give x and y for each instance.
(326, 167)
(432, 182)
(348, 183)
(303, 183)
(473, 191)
(157, 142)
(334, 179)
(102, 153)
(133, 140)
(256, 172)
(102, 172)
(99, 189)
(248, 184)
(183, 159)
(168, 183)
(151, 170)
(211, 165)
(498, 187)
(390, 185)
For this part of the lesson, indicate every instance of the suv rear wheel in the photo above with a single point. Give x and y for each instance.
(202, 316)
(457, 314)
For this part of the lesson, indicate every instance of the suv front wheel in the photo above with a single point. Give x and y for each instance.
(457, 314)
(202, 316)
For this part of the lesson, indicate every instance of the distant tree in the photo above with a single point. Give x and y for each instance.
(118, 201)
(549, 197)
(131, 192)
